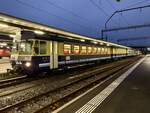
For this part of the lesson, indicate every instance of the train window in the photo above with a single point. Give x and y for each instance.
(83, 50)
(25, 47)
(98, 50)
(105, 50)
(102, 52)
(94, 50)
(43, 47)
(89, 50)
(76, 49)
(67, 49)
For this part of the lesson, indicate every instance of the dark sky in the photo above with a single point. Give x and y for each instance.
(86, 17)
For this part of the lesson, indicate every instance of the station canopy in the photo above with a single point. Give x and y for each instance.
(10, 25)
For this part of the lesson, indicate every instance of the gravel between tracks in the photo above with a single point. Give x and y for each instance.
(41, 86)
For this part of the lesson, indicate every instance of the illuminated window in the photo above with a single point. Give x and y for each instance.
(94, 50)
(106, 50)
(76, 49)
(83, 50)
(102, 52)
(67, 49)
(89, 50)
(99, 50)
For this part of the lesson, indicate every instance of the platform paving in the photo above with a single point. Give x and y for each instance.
(131, 96)
(4, 65)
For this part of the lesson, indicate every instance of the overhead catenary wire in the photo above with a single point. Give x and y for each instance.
(101, 9)
(125, 20)
(137, 3)
(47, 12)
(69, 11)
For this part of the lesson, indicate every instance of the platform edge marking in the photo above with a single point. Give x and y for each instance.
(98, 99)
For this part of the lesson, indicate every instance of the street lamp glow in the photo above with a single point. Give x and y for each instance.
(101, 43)
(82, 40)
(108, 44)
(13, 36)
(39, 32)
(3, 25)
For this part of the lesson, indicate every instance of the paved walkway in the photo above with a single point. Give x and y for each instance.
(4, 65)
(130, 93)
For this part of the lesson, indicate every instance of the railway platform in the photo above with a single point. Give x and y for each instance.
(4, 65)
(129, 93)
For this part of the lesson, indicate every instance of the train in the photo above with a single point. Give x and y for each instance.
(5, 51)
(38, 52)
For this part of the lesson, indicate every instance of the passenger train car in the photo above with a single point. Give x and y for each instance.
(38, 47)
(52, 51)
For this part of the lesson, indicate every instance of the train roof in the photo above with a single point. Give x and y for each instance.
(20, 23)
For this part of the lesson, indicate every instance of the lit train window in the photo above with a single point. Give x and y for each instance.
(67, 49)
(25, 47)
(76, 49)
(99, 50)
(106, 50)
(83, 50)
(102, 52)
(89, 50)
(94, 50)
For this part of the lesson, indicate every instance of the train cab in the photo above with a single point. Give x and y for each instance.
(29, 54)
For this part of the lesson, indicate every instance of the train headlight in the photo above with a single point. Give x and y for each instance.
(28, 64)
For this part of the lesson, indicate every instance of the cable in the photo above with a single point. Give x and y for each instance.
(37, 8)
(68, 11)
(115, 10)
(99, 8)
(137, 3)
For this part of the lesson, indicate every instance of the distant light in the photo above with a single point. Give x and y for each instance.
(101, 43)
(3, 44)
(148, 49)
(13, 36)
(108, 44)
(95, 42)
(82, 40)
(39, 32)
(3, 25)
(14, 47)
(22, 45)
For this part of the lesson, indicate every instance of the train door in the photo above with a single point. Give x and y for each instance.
(53, 54)
(111, 52)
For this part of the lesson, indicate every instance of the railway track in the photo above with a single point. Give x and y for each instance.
(12, 81)
(50, 100)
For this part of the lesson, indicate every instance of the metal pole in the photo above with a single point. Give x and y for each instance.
(124, 10)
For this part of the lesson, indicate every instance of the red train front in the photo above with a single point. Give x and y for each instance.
(5, 52)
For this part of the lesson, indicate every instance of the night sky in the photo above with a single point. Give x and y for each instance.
(86, 17)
